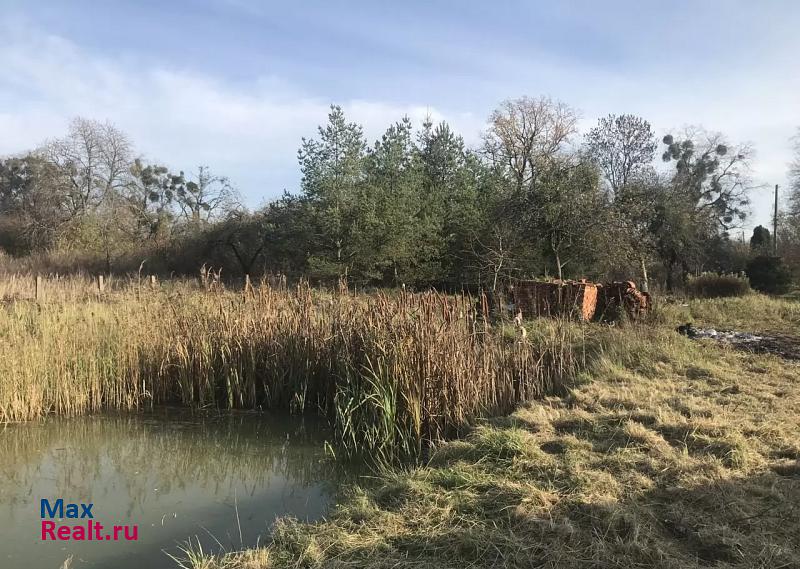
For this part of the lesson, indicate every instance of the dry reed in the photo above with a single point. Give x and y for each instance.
(391, 372)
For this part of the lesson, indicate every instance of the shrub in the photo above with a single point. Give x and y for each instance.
(713, 285)
(769, 274)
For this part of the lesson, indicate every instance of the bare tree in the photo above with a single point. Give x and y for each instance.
(623, 147)
(525, 134)
(789, 235)
(703, 199)
(711, 175)
(206, 198)
(493, 255)
(94, 160)
(794, 178)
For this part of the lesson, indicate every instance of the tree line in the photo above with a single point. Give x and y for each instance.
(417, 207)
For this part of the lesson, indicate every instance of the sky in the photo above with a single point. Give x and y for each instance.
(236, 84)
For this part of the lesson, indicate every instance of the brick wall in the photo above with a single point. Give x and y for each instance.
(576, 299)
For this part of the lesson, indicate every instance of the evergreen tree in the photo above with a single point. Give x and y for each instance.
(332, 169)
(451, 182)
(761, 241)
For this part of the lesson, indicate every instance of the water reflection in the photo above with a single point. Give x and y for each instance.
(173, 474)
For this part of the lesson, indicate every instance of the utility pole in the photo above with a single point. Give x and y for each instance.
(775, 225)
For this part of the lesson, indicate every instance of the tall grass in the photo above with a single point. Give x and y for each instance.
(390, 372)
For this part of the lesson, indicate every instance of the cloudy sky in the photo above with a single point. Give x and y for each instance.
(235, 84)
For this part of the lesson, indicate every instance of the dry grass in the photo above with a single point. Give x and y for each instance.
(752, 313)
(714, 285)
(672, 454)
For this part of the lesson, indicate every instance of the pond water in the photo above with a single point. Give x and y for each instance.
(219, 479)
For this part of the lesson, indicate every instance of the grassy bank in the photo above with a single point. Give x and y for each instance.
(391, 372)
(671, 453)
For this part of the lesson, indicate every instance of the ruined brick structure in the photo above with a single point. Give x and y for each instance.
(579, 299)
(557, 298)
(619, 297)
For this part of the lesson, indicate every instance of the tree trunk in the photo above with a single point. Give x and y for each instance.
(670, 282)
(645, 280)
(497, 268)
(684, 273)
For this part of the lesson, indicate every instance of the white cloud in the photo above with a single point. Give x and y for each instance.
(248, 132)
(251, 131)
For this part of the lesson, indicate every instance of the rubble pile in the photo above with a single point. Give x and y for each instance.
(728, 336)
(579, 299)
(621, 297)
(776, 343)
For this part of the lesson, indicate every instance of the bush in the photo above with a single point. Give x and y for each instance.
(713, 285)
(769, 274)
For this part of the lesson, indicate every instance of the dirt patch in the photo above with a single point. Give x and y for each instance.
(787, 468)
(776, 343)
(553, 447)
(707, 549)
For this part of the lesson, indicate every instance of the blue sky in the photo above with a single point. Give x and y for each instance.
(234, 84)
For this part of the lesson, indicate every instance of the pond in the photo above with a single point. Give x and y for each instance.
(219, 479)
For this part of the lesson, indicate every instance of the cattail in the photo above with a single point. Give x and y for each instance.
(392, 372)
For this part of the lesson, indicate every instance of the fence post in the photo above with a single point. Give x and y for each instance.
(101, 284)
(153, 282)
(39, 288)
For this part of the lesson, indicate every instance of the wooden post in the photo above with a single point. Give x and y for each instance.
(153, 282)
(101, 285)
(39, 288)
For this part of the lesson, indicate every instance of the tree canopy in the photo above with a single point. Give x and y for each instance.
(417, 207)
